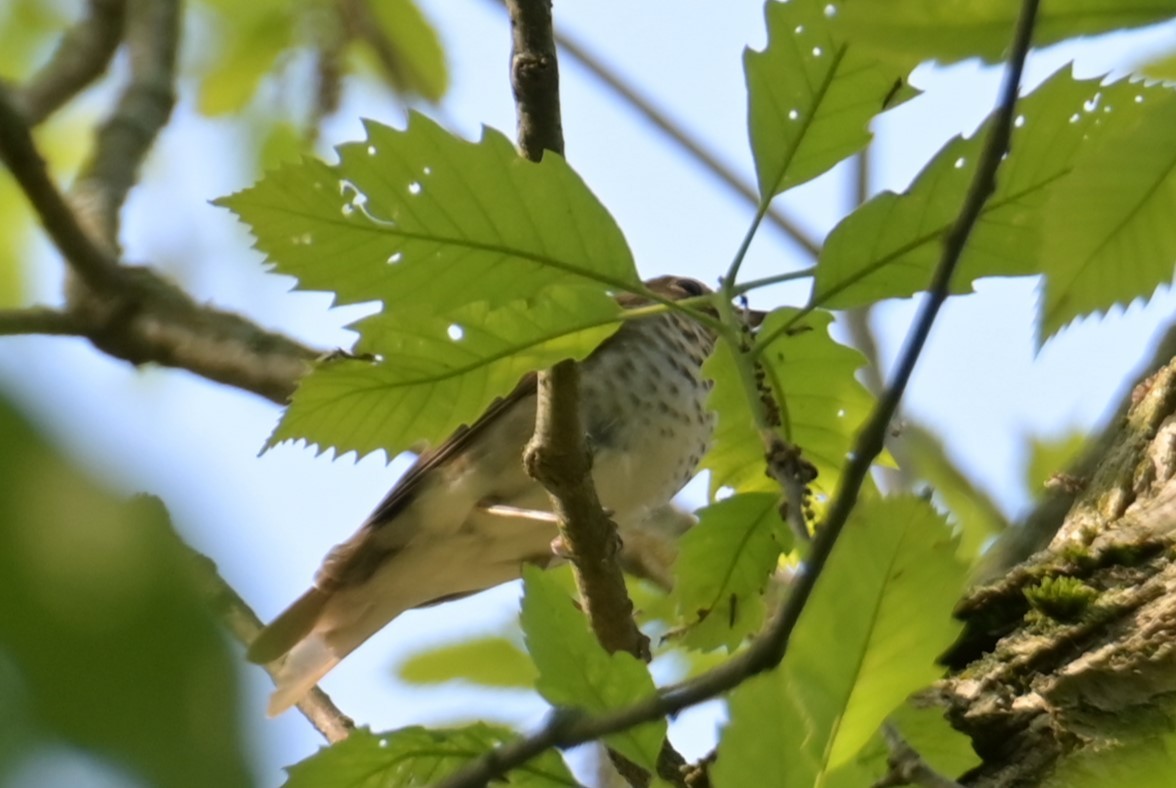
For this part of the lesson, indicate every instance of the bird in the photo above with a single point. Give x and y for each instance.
(466, 516)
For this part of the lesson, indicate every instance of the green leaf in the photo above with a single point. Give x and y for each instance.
(889, 247)
(408, 50)
(425, 382)
(977, 518)
(811, 95)
(868, 637)
(255, 35)
(1162, 67)
(1048, 458)
(492, 661)
(104, 636)
(822, 403)
(950, 30)
(1147, 762)
(723, 564)
(425, 222)
(1109, 237)
(576, 672)
(925, 729)
(418, 756)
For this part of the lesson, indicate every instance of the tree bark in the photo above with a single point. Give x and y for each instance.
(1080, 669)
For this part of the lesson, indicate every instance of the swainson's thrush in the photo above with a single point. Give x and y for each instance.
(445, 530)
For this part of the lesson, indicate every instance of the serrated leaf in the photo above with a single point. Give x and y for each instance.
(951, 30)
(492, 661)
(1162, 67)
(1109, 237)
(811, 95)
(869, 636)
(408, 49)
(425, 222)
(822, 402)
(425, 382)
(106, 639)
(576, 672)
(889, 247)
(417, 757)
(723, 564)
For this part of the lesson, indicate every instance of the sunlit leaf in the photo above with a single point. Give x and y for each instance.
(723, 564)
(425, 222)
(1109, 237)
(889, 247)
(868, 637)
(407, 49)
(575, 671)
(102, 630)
(1148, 762)
(254, 36)
(950, 30)
(811, 95)
(822, 402)
(434, 373)
(492, 661)
(419, 757)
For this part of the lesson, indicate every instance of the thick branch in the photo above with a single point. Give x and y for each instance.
(81, 57)
(768, 649)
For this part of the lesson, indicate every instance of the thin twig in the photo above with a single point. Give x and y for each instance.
(768, 649)
(92, 262)
(40, 320)
(81, 57)
(123, 140)
(244, 625)
(907, 767)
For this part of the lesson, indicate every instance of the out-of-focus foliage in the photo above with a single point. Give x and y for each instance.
(105, 641)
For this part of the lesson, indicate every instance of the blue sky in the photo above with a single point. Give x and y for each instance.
(267, 521)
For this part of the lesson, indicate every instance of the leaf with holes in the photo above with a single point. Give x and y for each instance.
(889, 247)
(1109, 235)
(576, 672)
(949, 30)
(431, 374)
(417, 757)
(822, 403)
(811, 95)
(885, 599)
(425, 223)
(723, 565)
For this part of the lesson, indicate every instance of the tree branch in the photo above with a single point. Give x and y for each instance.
(769, 648)
(81, 57)
(243, 623)
(907, 767)
(40, 320)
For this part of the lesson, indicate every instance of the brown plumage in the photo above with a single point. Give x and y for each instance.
(435, 537)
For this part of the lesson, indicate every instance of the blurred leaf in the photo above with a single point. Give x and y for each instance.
(576, 672)
(425, 382)
(1109, 237)
(28, 30)
(939, 745)
(281, 142)
(723, 565)
(417, 757)
(492, 661)
(15, 221)
(253, 35)
(951, 30)
(115, 649)
(811, 96)
(889, 247)
(1147, 762)
(823, 404)
(977, 517)
(426, 222)
(1049, 457)
(869, 636)
(406, 48)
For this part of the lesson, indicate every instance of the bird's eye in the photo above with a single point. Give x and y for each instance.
(692, 287)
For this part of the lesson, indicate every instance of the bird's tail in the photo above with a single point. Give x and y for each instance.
(296, 635)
